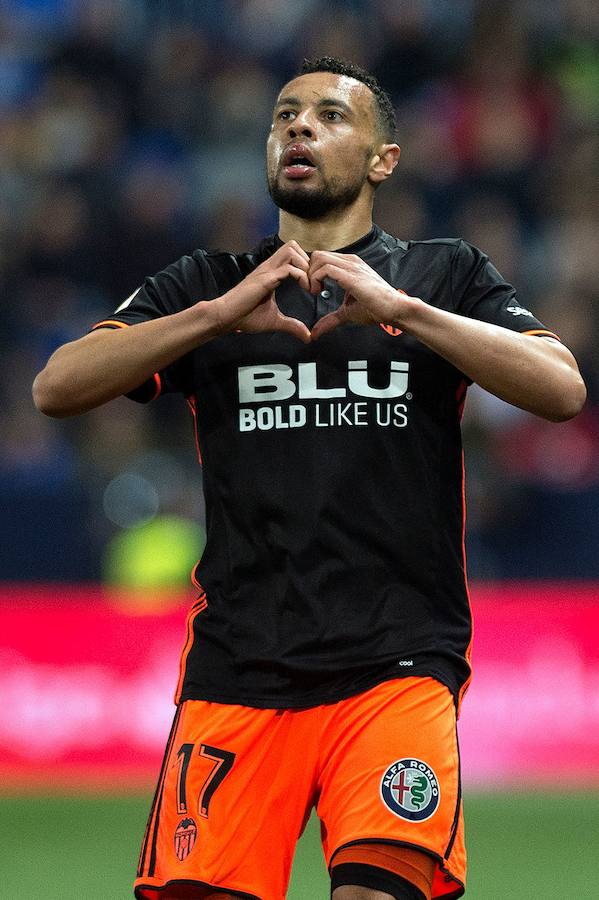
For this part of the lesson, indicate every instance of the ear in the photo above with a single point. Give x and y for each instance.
(383, 163)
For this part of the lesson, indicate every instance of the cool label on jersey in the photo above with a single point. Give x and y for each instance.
(265, 384)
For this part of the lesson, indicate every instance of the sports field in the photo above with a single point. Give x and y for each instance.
(522, 847)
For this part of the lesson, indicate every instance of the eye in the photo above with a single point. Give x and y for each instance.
(286, 115)
(332, 115)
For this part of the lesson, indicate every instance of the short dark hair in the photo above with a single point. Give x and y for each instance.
(385, 113)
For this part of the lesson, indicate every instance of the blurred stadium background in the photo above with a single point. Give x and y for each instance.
(132, 131)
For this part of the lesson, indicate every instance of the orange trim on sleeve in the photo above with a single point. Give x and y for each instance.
(158, 386)
(543, 331)
(116, 324)
(113, 322)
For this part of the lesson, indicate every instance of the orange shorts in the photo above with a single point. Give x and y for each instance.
(238, 784)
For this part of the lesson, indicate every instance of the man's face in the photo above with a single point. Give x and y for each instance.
(321, 143)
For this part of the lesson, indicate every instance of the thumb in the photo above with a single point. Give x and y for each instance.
(327, 323)
(293, 327)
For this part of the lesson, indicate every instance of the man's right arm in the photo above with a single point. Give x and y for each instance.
(110, 362)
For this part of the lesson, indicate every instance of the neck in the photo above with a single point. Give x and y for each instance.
(338, 229)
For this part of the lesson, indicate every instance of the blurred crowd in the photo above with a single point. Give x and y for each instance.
(132, 131)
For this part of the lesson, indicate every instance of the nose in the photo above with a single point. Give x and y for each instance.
(300, 127)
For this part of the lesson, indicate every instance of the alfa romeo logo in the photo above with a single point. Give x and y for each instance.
(410, 789)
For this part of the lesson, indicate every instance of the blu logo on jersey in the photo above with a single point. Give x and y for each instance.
(259, 384)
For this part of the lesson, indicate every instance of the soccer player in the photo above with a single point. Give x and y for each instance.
(328, 650)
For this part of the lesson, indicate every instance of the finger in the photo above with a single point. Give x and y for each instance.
(316, 273)
(300, 276)
(343, 277)
(292, 250)
(271, 268)
(287, 270)
(327, 323)
(315, 285)
(299, 260)
(344, 260)
(293, 327)
(301, 251)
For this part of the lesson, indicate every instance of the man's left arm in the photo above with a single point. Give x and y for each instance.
(538, 374)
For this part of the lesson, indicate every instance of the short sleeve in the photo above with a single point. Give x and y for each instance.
(480, 292)
(177, 287)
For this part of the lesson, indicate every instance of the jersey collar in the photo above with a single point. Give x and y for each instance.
(361, 246)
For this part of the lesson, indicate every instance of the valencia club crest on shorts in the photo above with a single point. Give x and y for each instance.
(410, 789)
(185, 838)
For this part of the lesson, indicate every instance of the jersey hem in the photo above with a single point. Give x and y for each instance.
(144, 884)
(319, 699)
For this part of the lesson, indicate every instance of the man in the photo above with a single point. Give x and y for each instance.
(328, 649)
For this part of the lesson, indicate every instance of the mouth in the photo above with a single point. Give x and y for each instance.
(298, 162)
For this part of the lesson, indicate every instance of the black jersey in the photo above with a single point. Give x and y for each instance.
(333, 481)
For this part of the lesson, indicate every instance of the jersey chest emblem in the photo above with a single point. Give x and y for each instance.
(391, 329)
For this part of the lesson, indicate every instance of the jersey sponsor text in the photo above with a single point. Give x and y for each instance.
(275, 382)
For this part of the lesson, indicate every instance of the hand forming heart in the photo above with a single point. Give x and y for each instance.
(251, 305)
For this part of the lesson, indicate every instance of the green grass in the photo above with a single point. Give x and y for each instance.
(521, 847)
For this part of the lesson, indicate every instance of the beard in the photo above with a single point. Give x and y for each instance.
(306, 203)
